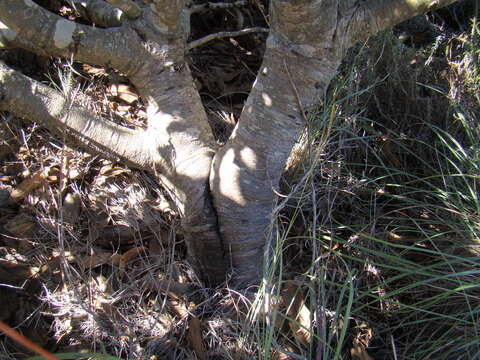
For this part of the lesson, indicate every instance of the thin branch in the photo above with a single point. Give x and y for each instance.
(131, 10)
(30, 99)
(224, 34)
(7, 330)
(220, 5)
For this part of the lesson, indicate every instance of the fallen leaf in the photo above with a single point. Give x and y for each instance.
(123, 109)
(93, 261)
(28, 185)
(21, 226)
(195, 338)
(124, 92)
(109, 170)
(15, 274)
(175, 290)
(178, 307)
(129, 256)
(395, 237)
(95, 71)
(297, 312)
(404, 239)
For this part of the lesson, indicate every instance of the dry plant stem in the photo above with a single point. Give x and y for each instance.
(220, 35)
(7, 330)
(131, 10)
(220, 5)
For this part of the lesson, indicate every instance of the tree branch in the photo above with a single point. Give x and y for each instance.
(176, 114)
(99, 12)
(307, 42)
(54, 35)
(220, 35)
(11, 40)
(169, 15)
(34, 101)
(219, 5)
(370, 17)
(131, 10)
(7, 37)
(177, 147)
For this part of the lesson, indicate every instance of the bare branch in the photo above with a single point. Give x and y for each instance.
(220, 35)
(370, 17)
(7, 37)
(32, 100)
(11, 40)
(220, 5)
(99, 12)
(54, 35)
(177, 148)
(177, 117)
(131, 10)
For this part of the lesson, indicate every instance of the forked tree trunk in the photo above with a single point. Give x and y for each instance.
(224, 196)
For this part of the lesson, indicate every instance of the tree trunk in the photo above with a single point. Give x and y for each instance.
(224, 196)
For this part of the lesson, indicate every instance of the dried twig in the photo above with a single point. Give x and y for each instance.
(220, 5)
(7, 330)
(220, 35)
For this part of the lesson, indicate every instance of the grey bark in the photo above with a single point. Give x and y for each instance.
(32, 100)
(130, 9)
(99, 12)
(47, 34)
(225, 196)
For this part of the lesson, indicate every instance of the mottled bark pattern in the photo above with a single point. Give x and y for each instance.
(247, 170)
(225, 197)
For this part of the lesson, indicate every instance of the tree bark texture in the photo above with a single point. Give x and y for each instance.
(225, 196)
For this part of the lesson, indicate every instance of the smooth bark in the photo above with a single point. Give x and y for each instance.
(176, 115)
(307, 42)
(99, 12)
(32, 100)
(225, 197)
(52, 35)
